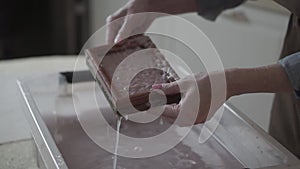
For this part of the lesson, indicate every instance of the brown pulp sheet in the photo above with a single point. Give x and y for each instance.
(111, 69)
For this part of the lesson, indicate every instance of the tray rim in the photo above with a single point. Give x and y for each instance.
(40, 133)
(48, 149)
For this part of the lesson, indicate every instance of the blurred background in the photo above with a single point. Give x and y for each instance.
(46, 36)
(35, 28)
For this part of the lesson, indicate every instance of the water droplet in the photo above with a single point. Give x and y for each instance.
(185, 164)
(119, 167)
(60, 160)
(148, 104)
(138, 148)
(161, 121)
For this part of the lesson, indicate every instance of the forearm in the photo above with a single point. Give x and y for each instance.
(266, 79)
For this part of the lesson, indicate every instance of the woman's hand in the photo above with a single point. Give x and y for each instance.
(214, 89)
(128, 24)
(199, 94)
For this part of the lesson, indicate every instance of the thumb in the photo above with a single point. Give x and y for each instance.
(114, 23)
(168, 88)
(133, 24)
(125, 29)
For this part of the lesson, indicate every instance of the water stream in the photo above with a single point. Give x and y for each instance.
(117, 142)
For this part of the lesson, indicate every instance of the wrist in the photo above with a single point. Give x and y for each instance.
(233, 82)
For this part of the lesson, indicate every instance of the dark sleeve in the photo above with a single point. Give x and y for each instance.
(211, 9)
(292, 5)
(291, 65)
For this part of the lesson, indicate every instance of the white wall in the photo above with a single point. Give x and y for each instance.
(100, 9)
(249, 42)
(244, 37)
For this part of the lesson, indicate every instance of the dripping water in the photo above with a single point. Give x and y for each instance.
(117, 142)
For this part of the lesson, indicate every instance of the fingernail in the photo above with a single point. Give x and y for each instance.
(119, 43)
(157, 86)
(116, 40)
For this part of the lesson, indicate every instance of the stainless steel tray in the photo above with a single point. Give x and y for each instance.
(62, 143)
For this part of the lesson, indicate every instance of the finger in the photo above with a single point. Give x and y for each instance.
(171, 111)
(168, 88)
(133, 24)
(125, 29)
(114, 25)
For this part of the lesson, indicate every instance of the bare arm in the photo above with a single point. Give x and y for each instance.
(267, 79)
